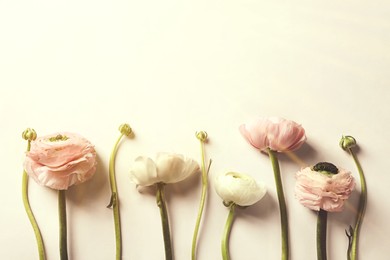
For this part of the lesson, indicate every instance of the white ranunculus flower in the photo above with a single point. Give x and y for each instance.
(167, 168)
(239, 188)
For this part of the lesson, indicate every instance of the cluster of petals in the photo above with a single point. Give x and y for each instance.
(319, 190)
(277, 134)
(60, 160)
(239, 188)
(166, 168)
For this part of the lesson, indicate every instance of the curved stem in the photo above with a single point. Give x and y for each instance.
(361, 209)
(202, 202)
(27, 207)
(160, 199)
(114, 202)
(282, 204)
(226, 234)
(63, 226)
(321, 234)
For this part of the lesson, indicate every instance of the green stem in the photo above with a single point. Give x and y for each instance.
(282, 204)
(361, 208)
(160, 199)
(27, 207)
(114, 202)
(226, 234)
(321, 234)
(63, 226)
(202, 202)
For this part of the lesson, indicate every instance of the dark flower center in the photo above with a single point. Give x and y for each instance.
(325, 166)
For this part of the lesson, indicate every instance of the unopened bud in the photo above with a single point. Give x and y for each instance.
(126, 129)
(29, 134)
(201, 135)
(347, 142)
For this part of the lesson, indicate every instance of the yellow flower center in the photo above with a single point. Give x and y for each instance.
(58, 138)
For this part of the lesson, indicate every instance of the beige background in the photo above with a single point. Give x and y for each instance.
(170, 68)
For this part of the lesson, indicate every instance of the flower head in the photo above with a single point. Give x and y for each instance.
(276, 133)
(239, 188)
(321, 187)
(167, 168)
(60, 160)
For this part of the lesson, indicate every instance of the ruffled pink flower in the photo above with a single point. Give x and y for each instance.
(60, 160)
(276, 133)
(318, 190)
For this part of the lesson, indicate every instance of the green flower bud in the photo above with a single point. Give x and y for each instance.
(325, 167)
(347, 142)
(29, 134)
(126, 129)
(201, 135)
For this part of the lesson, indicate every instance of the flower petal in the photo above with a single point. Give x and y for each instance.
(143, 171)
(275, 133)
(253, 133)
(57, 153)
(317, 191)
(239, 188)
(61, 178)
(173, 168)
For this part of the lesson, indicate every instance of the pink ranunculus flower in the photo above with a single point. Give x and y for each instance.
(321, 190)
(61, 160)
(276, 133)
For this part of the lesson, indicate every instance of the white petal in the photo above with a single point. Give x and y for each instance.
(239, 188)
(173, 168)
(143, 171)
(191, 166)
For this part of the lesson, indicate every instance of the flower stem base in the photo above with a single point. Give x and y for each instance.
(321, 234)
(282, 204)
(37, 232)
(63, 225)
(226, 234)
(114, 202)
(160, 199)
(41, 248)
(352, 250)
(202, 198)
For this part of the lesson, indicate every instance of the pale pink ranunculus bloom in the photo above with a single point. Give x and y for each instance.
(166, 168)
(317, 190)
(239, 188)
(276, 133)
(60, 160)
